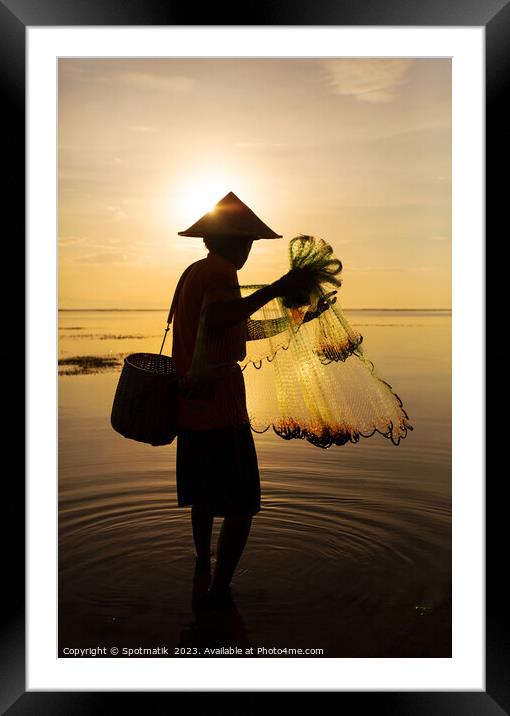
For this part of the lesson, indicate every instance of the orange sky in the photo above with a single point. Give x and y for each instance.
(356, 151)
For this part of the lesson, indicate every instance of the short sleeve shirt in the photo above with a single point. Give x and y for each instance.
(209, 280)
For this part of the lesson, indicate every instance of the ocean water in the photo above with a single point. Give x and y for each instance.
(350, 553)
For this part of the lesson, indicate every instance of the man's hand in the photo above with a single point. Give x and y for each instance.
(297, 280)
(322, 305)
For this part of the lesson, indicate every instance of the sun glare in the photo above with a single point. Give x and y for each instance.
(199, 196)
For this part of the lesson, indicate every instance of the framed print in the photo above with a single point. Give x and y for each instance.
(364, 572)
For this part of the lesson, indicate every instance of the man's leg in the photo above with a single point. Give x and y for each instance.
(232, 539)
(202, 523)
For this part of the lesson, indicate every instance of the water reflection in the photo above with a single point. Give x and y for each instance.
(351, 551)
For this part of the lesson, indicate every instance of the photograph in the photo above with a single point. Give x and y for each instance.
(254, 357)
(255, 385)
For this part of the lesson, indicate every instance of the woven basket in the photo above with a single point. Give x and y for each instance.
(144, 407)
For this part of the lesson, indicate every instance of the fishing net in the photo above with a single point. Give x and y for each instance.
(305, 372)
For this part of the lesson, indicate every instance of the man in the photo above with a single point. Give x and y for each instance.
(216, 463)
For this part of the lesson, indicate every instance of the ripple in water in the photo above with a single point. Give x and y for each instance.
(351, 551)
(328, 551)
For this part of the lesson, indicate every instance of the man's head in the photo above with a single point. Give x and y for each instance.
(233, 248)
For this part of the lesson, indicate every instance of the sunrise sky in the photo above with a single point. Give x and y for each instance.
(356, 151)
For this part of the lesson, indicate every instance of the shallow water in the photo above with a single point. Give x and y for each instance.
(350, 553)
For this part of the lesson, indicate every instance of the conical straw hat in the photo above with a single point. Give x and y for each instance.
(232, 217)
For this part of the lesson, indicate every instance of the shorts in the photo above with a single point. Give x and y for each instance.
(218, 469)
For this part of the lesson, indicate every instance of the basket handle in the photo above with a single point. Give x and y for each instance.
(174, 302)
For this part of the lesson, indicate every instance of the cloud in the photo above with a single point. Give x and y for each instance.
(71, 240)
(374, 81)
(87, 242)
(260, 145)
(379, 269)
(117, 214)
(106, 257)
(394, 269)
(190, 245)
(86, 71)
(157, 82)
(142, 128)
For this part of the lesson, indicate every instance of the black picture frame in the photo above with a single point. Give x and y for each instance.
(15, 17)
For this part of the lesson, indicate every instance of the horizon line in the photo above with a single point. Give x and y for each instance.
(166, 309)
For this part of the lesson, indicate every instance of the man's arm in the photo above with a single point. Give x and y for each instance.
(224, 313)
(221, 314)
(272, 326)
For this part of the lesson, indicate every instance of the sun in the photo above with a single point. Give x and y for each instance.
(199, 195)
